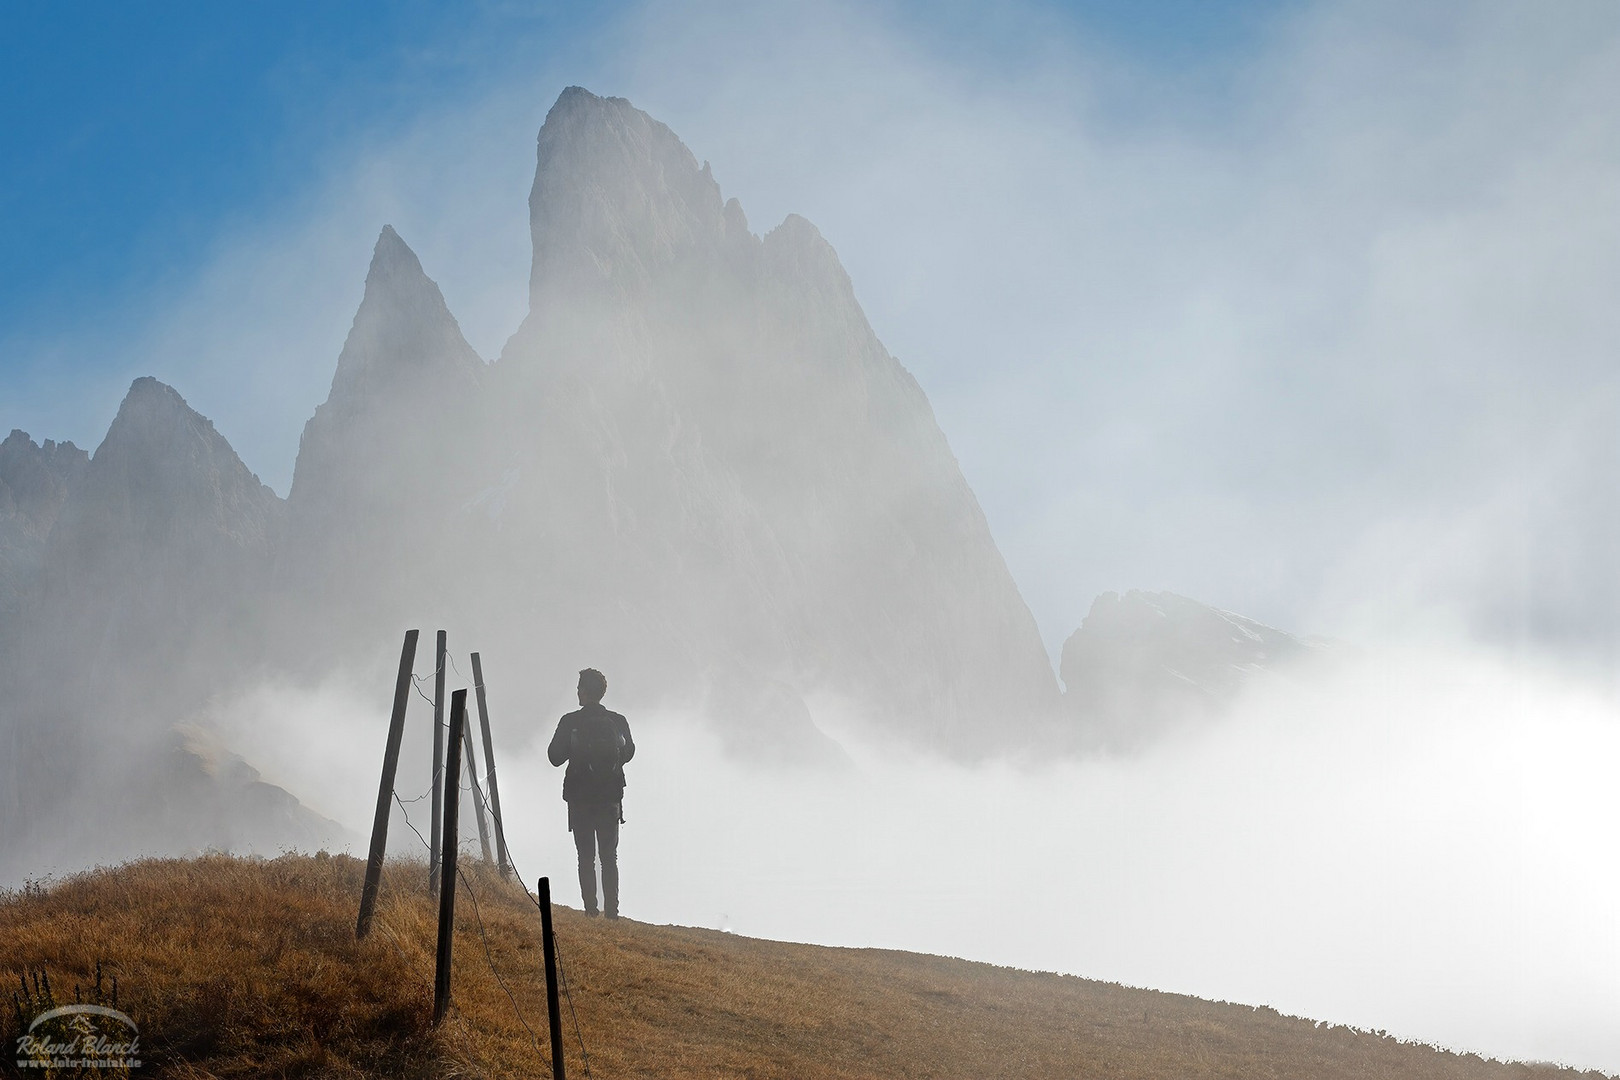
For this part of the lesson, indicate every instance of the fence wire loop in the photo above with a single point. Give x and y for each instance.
(472, 787)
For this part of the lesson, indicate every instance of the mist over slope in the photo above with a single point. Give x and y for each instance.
(145, 603)
(694, 466)
(1143, 663)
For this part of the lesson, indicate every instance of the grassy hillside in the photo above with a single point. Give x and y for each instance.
(237, 967)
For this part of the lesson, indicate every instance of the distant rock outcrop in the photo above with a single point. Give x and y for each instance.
(1142, 661)
(34, 482)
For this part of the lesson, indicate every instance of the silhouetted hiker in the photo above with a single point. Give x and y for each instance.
(596, 743)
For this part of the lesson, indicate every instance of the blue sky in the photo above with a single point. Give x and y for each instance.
(1304, 309)
(1295, 308)
(135, 133)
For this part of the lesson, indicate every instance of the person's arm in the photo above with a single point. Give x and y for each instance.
(629, 750)
(561, 742)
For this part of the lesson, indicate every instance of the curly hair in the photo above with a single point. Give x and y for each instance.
(593, 682)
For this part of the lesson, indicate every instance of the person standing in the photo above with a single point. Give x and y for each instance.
(595, 743)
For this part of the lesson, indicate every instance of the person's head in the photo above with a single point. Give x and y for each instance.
(592, 686)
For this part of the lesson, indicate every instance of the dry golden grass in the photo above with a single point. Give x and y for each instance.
(236, 967)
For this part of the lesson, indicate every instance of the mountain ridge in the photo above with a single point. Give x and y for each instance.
(694, 465)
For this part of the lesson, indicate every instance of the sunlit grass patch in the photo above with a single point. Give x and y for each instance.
(238, 967)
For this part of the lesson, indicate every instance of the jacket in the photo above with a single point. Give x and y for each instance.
(576, 785)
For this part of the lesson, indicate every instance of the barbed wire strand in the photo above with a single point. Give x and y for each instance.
(562, 975)
(419, 693)
(518, 874)
(584, 1054)
(488, 956)
(406, 814)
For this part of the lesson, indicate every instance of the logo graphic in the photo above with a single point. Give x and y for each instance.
(80, 1037)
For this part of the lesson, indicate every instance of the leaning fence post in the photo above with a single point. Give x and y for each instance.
(477, 792)
(385, 790)
(553, 1007)
(438, 767)
(447, 875)
(489, 769)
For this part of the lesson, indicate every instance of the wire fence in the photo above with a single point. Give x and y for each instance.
(471, 787)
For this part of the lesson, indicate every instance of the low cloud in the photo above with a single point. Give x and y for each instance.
(1228, 332)
(1333, 347)
(1406, 839)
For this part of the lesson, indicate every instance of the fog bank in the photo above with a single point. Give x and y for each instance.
(1409, 839)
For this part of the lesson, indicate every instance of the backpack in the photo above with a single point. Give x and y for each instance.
(596, 748)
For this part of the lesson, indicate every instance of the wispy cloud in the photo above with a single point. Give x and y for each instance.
(1269, 336)
(1327, 338)
(1412, 839)
(1212, 343)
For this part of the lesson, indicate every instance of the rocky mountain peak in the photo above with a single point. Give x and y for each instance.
(801, 257)
(394, 264)
(164, 474)
(141, 602)
(155, 426)
(158, 551)
(403, 333)
(403, 423)
(34, 479)
(34, 483)
(617, 199)
(713, 410)
(1143, 660)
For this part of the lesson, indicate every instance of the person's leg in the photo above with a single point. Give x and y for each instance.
(585, 846)
(607, 837)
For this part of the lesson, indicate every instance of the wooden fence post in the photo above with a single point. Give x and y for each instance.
(477, 792)
(385, 790)
(447, 875)
(489, 769)
(438, 768)
(553, 1006)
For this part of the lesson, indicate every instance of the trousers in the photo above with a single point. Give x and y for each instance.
(596, 832)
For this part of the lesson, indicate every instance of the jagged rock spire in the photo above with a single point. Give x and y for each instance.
(158, 559)
(35, 479)
(405, 354)
(403, 331)
(726, 392)
(618, 198)
(162, 474)
(387, 453)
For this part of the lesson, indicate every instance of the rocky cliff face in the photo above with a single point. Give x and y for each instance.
(148, 599)
(1143, 661)
(733, 460)
(161, 552)
(382, 465)
(34, 483)
(694, 466)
